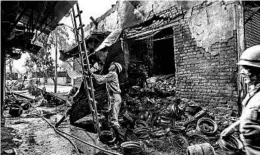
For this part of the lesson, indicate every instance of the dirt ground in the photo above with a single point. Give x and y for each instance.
(30, 135)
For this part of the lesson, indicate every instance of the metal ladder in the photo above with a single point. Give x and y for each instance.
(83, 54)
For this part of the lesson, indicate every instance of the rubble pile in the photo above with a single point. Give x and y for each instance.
(163, 122)
(162, 84)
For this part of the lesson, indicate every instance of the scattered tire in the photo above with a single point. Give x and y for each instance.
(207, 126)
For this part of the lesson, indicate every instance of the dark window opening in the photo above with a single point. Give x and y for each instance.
(138, 63)
(163, 53)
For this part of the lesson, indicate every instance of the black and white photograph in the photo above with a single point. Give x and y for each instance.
(130, 77)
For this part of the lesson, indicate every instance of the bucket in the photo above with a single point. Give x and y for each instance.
(106, 136)
(16, 111)
(131, 148)
(201, 149)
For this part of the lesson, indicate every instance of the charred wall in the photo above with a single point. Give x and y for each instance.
(205, 48)
(206, 57)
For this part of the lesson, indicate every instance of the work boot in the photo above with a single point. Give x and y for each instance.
(120, 134)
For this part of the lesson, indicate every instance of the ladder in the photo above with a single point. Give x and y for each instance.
(84, 60)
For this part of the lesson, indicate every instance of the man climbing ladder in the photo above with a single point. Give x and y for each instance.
(113, 91)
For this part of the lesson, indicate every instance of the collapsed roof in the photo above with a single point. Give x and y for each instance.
(22, 20)
(93, 40)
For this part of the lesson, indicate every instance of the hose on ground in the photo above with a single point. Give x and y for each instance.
(61, 133)
(57, 131)
(40, 115)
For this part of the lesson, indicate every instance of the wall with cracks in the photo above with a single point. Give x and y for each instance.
(206, 55)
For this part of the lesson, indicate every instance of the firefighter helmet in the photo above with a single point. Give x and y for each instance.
(118, 66)
(250, 57)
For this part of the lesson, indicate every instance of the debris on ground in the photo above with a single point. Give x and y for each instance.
(154, 120)
(163, 123)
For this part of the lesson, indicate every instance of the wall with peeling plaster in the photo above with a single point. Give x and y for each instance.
(211, 22)
(205, 47)
(129, 13)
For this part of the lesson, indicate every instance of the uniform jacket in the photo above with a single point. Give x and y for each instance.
(250, 118)
(111, 80)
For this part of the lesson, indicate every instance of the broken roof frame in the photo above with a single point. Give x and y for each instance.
(170, 15)
(154, 24)
(73, 52)
(31, 19)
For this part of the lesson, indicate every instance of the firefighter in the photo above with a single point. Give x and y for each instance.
(249, 122)
(113, 91)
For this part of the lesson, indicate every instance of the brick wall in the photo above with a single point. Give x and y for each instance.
(208, 78)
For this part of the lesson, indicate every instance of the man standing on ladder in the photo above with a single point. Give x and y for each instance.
(249, 122)
(113, 91)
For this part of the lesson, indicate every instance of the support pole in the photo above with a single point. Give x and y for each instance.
(56, 51)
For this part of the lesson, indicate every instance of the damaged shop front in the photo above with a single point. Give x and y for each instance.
(155, 118)
(179, 81)
(153, 115)
(151, 46)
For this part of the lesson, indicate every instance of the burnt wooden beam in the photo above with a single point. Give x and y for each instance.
(17, 20)
(94, 21)
(40, 15)
(47, 24)
(47, 16)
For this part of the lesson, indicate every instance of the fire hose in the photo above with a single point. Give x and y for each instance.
(61, 133)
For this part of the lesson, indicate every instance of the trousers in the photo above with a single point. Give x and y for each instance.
(115, 101)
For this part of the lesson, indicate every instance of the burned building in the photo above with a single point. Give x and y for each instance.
(197, 42)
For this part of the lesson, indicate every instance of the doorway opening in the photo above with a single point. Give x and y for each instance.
(163, 53)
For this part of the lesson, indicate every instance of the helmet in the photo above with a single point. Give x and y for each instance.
(118, 66)
(250, 57)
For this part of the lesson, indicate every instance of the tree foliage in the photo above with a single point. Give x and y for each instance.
(42, 62)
